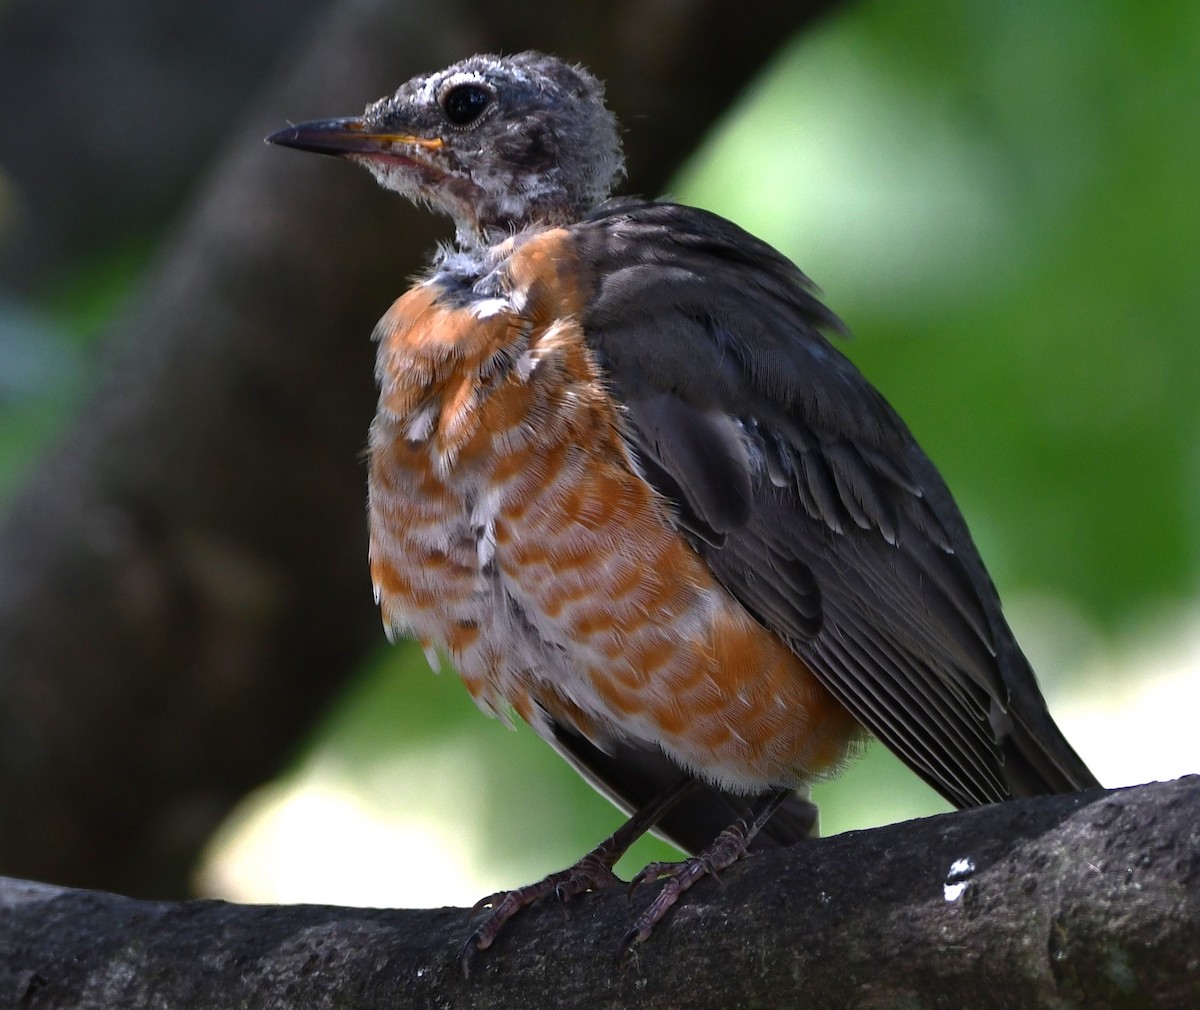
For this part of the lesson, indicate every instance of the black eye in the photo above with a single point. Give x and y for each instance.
(465, 103)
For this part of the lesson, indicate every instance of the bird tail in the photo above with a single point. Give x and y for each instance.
(1038, 759)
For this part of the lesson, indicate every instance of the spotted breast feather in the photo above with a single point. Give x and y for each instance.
(512, 526)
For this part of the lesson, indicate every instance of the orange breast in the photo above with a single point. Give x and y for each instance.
(510, 527)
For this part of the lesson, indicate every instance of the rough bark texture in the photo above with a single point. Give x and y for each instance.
(1088, 901)
(182, 583)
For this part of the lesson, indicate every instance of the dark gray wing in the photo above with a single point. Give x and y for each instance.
(809, 498)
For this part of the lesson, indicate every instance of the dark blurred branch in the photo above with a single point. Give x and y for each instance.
(115, 111)
(183, 583)
(1089, 900)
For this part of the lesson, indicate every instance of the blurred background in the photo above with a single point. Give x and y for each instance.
(1001, 201)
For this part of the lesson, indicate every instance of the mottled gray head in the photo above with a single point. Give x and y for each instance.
(496, 142)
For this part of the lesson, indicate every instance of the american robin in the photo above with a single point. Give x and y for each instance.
(621, 476)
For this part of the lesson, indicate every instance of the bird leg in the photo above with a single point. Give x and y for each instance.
(592, 872)
(726, 849)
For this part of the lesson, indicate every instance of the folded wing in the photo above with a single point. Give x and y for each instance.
(809, 498)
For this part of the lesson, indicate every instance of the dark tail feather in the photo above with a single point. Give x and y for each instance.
(1039, 761)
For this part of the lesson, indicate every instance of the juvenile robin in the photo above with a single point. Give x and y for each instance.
(622, 478)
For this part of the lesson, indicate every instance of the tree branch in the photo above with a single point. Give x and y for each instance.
(1090, 900)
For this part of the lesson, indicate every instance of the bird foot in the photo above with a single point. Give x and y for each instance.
(593, 872)
(727, 848)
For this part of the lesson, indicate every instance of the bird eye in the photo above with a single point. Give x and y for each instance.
(465, 103)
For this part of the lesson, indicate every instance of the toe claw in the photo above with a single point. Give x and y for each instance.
(487, 901)
(468, 953)
(630, 938)
(652, 872)
(713, 872)
(564, 895)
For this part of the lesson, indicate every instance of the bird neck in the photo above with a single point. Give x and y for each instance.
(488, 211)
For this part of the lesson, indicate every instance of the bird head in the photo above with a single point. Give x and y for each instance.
(499, 143)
